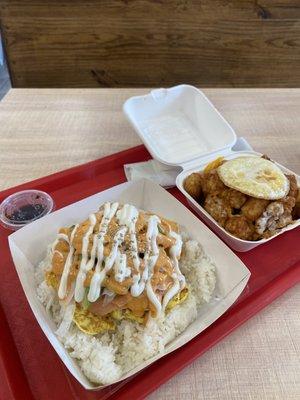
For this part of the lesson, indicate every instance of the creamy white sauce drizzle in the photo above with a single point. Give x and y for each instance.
(175, 252)
(59, 253)
(120, 267)
(171, 292)
(178, 278)
(84, 268)
(95, 286)
(151, 257)
(63, 236)
(111, 258)
(60, 236)
(127, 217)
(99, 276)
(139, 282)
(62, 290)
(91, 262)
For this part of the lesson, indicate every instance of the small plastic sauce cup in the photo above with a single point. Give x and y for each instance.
(21, 208)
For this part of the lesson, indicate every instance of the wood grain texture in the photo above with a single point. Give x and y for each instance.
(259, 361)
(152, 42)
(46, 130)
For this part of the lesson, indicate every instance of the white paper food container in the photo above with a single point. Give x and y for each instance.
(180, 127)
(28, 247)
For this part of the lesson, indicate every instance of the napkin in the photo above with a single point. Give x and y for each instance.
(163, 174)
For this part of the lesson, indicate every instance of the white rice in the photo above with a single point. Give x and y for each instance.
(104, 358)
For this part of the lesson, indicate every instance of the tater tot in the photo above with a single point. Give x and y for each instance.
(212, 184)
(235, 198)
(217, 208)
(239, 226)
(192, 185)
(253, 208)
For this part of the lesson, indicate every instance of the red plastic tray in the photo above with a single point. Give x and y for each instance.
(29, 367)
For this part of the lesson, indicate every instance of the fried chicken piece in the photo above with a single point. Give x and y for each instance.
(293, 192)
(288, 203)
(296, 209)
(277, 216)
(234, 198)
(218, 208)
(239, 226)
(253, 208)
(211, 183)
(267, 234)
(284, 220)
(192, 185)
(270, 217)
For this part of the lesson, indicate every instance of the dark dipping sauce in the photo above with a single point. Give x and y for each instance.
(26, 213)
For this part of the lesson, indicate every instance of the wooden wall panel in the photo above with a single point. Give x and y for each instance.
(114, 43)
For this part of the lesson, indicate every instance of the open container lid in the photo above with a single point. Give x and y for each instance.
(179, 124)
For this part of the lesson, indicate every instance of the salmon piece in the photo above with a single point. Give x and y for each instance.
(101, 308)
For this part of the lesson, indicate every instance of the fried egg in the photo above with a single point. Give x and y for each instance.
(93, 324)
(255, 176)
(52, 279)
(177, 299)
(90, 323)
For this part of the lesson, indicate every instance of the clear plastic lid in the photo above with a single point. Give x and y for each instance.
(23, 207)
(179, 124)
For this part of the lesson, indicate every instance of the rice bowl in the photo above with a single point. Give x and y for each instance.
(105, 357)
(29, 245)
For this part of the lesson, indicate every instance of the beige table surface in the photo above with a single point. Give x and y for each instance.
(47, 130)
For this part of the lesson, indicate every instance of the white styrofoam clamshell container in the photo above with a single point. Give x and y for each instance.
(181, 127)
(234, 242)
(174, 125)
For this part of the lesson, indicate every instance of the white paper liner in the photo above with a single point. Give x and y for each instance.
(28, 247)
